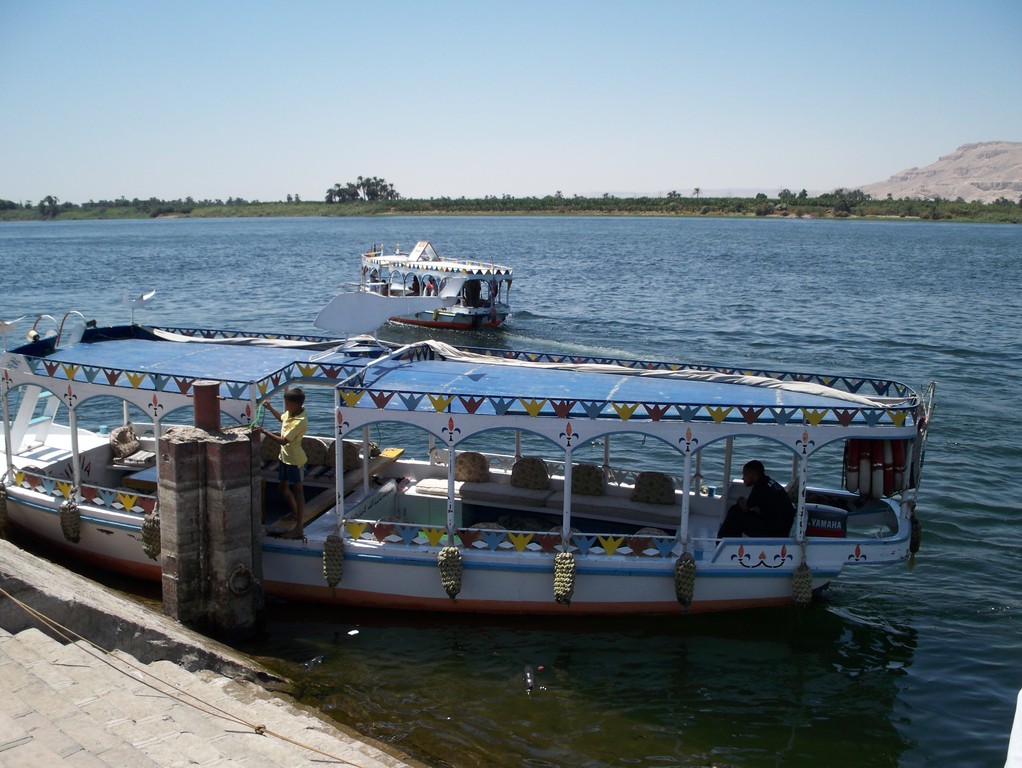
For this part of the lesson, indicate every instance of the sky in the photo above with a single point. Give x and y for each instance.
(259, 100)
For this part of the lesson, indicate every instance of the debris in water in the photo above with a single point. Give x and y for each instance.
(314, 662)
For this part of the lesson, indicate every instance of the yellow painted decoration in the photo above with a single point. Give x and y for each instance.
(719, 414)
(128, 500)
(533, 407)
(308, 370)
(440, 402)
(814, 417)
(351, 397)
(520, 540)
(434, 535)
(135, 378)
(64, 488)
(625, 410)
(610, 544)
(262, 386)
(898, 417)
(355, 530)
(70, 371)
(19, 478)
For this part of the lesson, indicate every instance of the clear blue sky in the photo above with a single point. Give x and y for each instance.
(255, 99)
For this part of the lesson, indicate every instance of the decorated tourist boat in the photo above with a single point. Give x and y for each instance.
(473, 480)
(423, 289)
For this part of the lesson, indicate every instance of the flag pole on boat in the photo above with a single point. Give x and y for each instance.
(6, 326)
(137, 301)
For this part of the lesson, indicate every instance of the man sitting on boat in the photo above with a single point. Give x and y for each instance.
(767, 512)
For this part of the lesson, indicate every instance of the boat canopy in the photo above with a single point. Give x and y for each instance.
(505, 383)
(161, 365)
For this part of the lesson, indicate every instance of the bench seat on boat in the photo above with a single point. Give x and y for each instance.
(620, 508)
(437, 486)
(354, 477)
(491, 492)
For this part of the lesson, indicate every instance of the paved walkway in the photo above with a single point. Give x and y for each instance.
(75, 704)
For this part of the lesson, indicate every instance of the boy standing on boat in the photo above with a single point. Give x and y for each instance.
(767, 512)
(293, 424)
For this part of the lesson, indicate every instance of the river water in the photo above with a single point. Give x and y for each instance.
(910, 665)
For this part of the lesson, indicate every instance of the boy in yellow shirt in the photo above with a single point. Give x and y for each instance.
(293, 425)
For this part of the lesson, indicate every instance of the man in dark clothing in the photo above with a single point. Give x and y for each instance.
(767, 512)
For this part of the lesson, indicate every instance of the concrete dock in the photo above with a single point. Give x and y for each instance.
(141, 689)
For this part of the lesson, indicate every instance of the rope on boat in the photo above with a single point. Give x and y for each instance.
(333, 559)
(802, 586)
(152, 541)
(71, 520)
(448, 559)
(802, 583)
(685, 578)
(917, 532)
(564, 577)
(3, 511)
(258, 420)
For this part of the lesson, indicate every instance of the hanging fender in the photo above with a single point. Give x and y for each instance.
(898, 451)
(889, 487)
(852, 466)
(876, 480)
(865, 467)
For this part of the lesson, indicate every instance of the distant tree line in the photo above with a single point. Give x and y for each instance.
(370, 190)
(372, 195)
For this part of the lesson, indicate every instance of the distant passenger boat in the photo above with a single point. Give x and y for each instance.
(509, 482)
(465, 294)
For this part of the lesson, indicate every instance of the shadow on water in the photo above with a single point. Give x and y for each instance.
(693, 690)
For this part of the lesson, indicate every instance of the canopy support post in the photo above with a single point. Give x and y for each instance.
(686, 487)
(76, 464)
(566, 512)
(450, 494)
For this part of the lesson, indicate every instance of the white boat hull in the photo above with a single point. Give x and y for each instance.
(395, 575)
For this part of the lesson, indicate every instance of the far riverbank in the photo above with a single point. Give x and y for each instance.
(842, 204)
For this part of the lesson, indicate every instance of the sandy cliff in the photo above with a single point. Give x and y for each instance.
(975, 172)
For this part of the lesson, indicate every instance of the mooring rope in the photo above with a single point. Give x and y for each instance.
(99, 653)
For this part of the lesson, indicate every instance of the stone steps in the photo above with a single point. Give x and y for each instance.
(63, 704)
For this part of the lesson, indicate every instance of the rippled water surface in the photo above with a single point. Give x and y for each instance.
(895, 666)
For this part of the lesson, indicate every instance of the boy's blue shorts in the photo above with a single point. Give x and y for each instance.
(291, 474)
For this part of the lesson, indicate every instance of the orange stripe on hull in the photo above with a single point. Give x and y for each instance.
(339, 596)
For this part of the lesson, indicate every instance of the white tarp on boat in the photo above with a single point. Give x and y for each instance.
(363, 312)
(453, 353)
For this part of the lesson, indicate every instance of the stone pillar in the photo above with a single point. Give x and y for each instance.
(210, 513)
(206, 401)
(181, 486)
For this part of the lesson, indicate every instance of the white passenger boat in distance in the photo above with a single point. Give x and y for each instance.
(465, 294)
(475, 480)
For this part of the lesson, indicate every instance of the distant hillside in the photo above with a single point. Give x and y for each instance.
(982, 172)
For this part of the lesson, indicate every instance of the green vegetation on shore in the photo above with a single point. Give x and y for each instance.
(838, 204)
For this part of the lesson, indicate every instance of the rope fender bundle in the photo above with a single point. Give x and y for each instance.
(333, 559)
(685, 578)
(448, 560)
(564, 577)
(917, 533)
(802, 586)
(3, 511)
(71, 521)
(152, 543)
